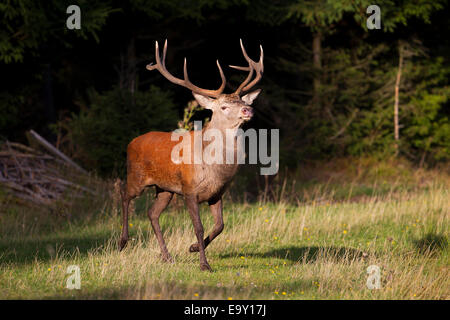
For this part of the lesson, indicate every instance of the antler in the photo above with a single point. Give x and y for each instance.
(160, 66)
(252, 67)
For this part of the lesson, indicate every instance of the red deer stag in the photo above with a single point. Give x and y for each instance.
(149, 161)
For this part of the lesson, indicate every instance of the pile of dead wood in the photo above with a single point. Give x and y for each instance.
(42, 176)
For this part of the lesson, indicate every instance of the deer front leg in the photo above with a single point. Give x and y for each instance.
(162, 200)
(192, 205)
(216, 210)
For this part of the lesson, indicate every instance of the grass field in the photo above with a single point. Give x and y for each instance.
(318, 246)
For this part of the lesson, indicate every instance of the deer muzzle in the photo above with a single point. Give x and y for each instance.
(247, 113)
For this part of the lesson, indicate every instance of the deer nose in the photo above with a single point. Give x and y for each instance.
(247, 111)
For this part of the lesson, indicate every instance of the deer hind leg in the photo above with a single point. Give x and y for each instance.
(216, 210)
(162, 200)
(127, 196)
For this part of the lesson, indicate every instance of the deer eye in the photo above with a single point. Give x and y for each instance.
(224, 108)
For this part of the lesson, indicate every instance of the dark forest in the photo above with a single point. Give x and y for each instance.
(329, 82)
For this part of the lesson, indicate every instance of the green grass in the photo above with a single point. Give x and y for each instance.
(318, 248)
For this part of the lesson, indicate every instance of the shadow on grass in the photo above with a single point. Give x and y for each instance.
(44, 248)
(431, 243)
(307, 254)
(25, 251)
(174, 290)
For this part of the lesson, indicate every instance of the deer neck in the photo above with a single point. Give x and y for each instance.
(226, 131)
(229, 146)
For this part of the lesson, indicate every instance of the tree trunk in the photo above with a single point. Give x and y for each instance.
(127, 72)
(49, 105)
(396, 97)
(317, 63)
(131, 73)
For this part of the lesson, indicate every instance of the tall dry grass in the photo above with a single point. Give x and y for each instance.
(306, 248)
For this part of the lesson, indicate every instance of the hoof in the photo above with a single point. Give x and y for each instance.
(168, 258)
(194, 248)
(122, 244)
(205, 267)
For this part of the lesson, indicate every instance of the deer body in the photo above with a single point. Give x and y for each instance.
(150, 163)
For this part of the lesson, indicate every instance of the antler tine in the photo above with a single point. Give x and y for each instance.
(252, 67)
(246, 58)
(160, 66)
(259, 68)
(222, 76)
(164, 52)
(186, 77)
(151, 66)
(240, 68)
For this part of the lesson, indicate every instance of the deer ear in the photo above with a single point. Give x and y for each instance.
(205, 102)
(250, 97)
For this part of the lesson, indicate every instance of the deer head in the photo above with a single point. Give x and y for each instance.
(229, 110)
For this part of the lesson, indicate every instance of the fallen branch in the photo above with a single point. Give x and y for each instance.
(38, 178)
(55, 151)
